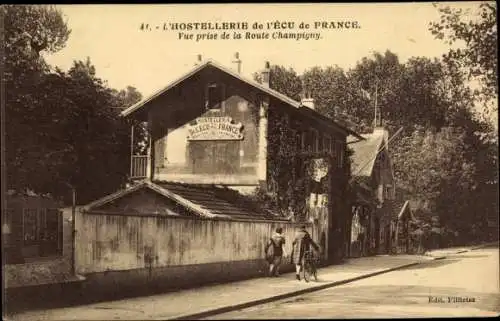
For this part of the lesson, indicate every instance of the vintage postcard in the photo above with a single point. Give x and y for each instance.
(249, 161)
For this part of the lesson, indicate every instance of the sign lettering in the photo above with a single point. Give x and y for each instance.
(215, 128)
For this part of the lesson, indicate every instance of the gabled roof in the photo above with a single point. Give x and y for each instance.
(273, 93)
(365, 152)
(405, 207)
(395, 209)
(400, 208)
(204, 201)
(198, 68)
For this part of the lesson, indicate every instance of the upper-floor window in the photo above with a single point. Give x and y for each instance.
(314, 140)
(327, 144)
(389, 192)
(308, 141)
(214, 96)
(339, 153)
(298, 141)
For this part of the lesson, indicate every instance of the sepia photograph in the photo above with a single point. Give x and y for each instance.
(249, 161)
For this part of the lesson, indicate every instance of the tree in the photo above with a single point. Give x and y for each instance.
(432, 167)
(337, 96)
(479, 38)
(29, 32)
(285, 81)
(63, 128)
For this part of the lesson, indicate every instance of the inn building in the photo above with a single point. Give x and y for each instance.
(212, 146)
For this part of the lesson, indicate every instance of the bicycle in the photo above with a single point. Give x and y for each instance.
(309, 266)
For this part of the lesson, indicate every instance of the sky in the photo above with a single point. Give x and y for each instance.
(124, 55)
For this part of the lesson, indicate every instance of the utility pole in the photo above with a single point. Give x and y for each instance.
(73, 227)
(131, 151)
(376, 120)
(3, 174)
(73, 230)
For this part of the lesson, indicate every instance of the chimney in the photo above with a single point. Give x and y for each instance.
(237, 62)
(265, 74)
(198, 62)
(308, 101)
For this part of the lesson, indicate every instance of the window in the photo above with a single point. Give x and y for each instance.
(314, 141)
(30, 226)
(42, 226)
(299, 141)
(327, 144)
(389, 192)
(339, 153)
(214, 96)
(320, 143)
(307, 141)
(214, 157)
(342, 152)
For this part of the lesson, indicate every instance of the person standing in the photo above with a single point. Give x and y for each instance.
(302, 243)
(275, 251)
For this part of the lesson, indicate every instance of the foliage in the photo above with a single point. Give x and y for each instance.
(477, 31)
(336, 96)
(286, 80)
(285, 169)
(445, 159)
(63, 128)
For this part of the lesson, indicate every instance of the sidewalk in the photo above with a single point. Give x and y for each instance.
(457, 250)
(210, 300)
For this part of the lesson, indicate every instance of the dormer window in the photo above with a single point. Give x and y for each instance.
(214, 96)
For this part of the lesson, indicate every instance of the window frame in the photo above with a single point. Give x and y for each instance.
(222, 93)
(326, 143)
(25, 211)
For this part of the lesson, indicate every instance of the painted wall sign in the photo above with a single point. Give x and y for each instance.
(214, 128)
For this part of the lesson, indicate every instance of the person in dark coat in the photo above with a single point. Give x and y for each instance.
(275, 251)
(302, 243)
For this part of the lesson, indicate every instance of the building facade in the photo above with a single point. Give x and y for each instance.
(214, 127)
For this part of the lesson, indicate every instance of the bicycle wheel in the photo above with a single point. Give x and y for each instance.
(306, 268)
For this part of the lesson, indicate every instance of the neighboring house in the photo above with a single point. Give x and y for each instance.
(400, 239)
(375, 211)
(208, 148)
(37, 238)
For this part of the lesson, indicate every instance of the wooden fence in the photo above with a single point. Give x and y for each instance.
(125, 242)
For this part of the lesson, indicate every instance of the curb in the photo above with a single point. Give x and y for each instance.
(215, 311)
(483, 245)
(477, 247)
